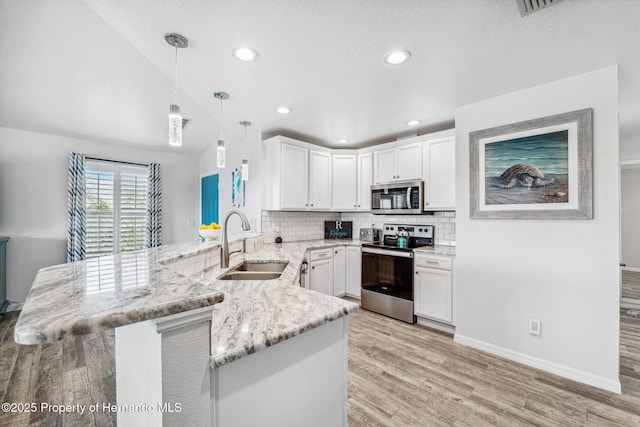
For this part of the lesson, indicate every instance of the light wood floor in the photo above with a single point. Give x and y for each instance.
(631, 284)
(399, 375)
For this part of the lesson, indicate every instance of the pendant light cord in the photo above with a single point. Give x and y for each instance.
(221, 118)
(175, 94)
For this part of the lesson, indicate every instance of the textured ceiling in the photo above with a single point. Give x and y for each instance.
(101, 69)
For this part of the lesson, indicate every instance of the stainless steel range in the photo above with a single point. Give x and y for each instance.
(387, 270)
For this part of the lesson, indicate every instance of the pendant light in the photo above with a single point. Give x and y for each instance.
(221, 151)
(244, 170)
(175, 112)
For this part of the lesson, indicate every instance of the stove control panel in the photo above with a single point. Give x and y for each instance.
(413, 230)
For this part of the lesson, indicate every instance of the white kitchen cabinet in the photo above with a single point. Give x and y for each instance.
(321, 271)
(344, 174)
(319, 180)
(294, 177)
(385, 165)
(365, 179)
(433, 287)
(297, 177)
(439, 171)
(339, 271)
(354, 271)
(398, 163)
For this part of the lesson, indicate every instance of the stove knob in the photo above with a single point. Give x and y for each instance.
(420, 230)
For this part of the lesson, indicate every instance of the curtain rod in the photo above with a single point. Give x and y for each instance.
(116, 161)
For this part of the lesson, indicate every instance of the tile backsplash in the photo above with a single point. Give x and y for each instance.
(296, 226)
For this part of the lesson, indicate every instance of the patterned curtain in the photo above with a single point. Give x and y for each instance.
(76, 209)
(154, 208)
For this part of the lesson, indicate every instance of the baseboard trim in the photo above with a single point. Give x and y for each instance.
(630, 269)
(450, 329)
(545, 365)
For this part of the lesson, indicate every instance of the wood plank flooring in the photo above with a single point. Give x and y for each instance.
(408, 375)
(399, 375)
(72, 371)
(631, 284)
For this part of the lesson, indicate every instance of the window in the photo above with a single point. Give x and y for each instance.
(116, 207)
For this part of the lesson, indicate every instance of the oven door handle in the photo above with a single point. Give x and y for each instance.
(389, 252)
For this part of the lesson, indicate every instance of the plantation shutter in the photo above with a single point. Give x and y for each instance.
(133, 208)
(116, 208)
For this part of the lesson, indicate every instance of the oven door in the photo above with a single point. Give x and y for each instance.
(388, 272)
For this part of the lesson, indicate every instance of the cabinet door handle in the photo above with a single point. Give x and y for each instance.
(432, 262)
(311, 204)
(336, 251)
(306, 204)
(313, 268)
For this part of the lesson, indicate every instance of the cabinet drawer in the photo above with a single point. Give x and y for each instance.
(321, 254)
(429, 261)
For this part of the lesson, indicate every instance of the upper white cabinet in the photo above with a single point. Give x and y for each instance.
(319, 180)
(439, 171)
(298, 177)
(365, 179)
(294, 177)
(351, 181)
(345, 185)
(398, 163)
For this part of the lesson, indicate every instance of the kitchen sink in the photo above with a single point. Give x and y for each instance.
(250, 275)
(256, 270)
(272, 266)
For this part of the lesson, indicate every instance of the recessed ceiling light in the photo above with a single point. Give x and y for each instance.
(397, 57)
(245, 54)
(283, 110)
(343, 141)
(413, 122)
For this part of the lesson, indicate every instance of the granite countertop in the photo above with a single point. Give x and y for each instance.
(247, 316)
(258, 314)
(437, 250)
(102, 293)
(111, 291)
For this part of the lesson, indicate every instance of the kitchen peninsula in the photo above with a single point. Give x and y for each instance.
(198, 350)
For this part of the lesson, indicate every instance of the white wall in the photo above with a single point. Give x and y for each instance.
(237, 150)
(630, 231)
(630, 149)
(565, 273)
(33, 198)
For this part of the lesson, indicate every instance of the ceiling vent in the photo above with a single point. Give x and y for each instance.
(529, 6)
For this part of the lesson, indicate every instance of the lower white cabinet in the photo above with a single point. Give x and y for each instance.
(336, 271)
(339, 271)
(354, 271)
(321, 271)
(433, 287)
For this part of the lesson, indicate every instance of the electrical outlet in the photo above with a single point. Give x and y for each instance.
(534, 326)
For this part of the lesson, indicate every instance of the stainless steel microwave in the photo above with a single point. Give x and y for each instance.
(399, 197)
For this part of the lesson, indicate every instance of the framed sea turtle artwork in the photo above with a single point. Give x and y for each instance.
(537, 169)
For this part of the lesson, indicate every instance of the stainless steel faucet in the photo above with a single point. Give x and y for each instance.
(224, 251)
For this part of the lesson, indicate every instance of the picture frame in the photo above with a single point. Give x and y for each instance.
(536, 169)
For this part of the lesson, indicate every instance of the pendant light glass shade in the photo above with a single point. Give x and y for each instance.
(220, 151)
(175, 125)
(221, 154)
(244, 170)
